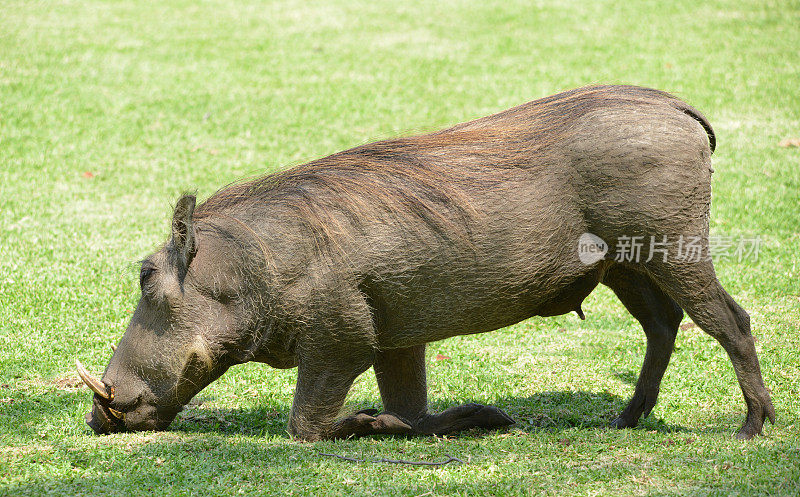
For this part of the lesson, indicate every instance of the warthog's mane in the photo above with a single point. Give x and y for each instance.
(429, 178)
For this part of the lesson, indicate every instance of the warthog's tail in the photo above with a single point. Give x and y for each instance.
(699, 117)
(652, 94)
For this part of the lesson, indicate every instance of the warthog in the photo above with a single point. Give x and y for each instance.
(361, 258)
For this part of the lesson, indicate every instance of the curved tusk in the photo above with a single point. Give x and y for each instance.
(113, 348)
(93, 383)
(117, 414)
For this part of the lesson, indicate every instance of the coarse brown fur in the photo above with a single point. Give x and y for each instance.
(361, 258)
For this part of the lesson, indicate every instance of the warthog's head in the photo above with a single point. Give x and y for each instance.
(196, 317)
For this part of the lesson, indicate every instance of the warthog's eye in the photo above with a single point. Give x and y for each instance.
(147, 270)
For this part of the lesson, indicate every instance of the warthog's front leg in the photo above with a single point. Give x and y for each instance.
(336, 349)
(323, 380)
(402, 382)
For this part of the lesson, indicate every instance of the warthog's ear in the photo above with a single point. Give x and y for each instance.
(183, 232)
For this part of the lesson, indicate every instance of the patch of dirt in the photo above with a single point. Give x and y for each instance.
(24, 449)
(68, 381)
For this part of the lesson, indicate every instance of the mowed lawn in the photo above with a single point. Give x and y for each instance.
(109, 110)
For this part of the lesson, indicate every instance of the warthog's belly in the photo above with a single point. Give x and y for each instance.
(480, 305)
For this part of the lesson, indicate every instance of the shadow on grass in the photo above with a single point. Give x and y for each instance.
(27, 415)
(561, 410)
(261, 420)
(627, 377)
(553, 411)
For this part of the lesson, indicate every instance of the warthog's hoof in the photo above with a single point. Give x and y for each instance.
(621, 422)
(463, 417)
(756, 416)
(369, 422)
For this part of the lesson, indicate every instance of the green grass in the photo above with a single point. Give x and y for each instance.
(154, 99)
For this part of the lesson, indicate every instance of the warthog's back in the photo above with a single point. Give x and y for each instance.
(475, 227)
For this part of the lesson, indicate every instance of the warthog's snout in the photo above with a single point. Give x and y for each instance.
(101, 420)
(104, 419)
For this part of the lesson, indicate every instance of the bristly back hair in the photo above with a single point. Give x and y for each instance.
(430, 177)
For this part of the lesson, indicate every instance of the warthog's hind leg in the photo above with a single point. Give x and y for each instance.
(695, 287)
(660, 317)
